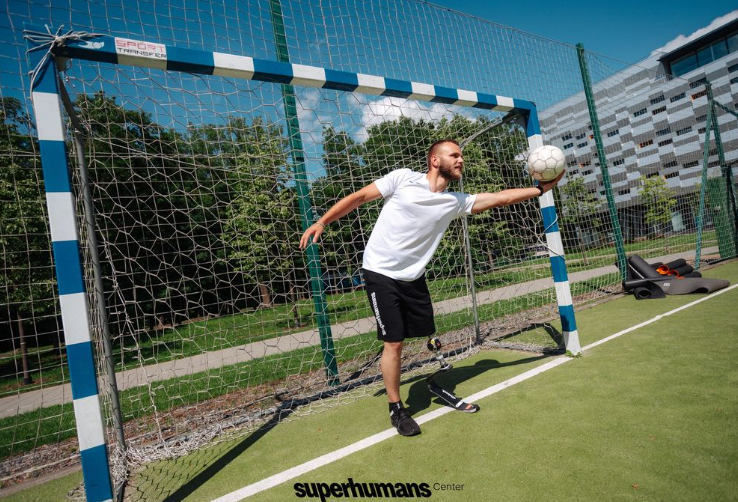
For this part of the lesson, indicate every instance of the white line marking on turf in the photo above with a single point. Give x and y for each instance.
(328, 458)
(658, 317)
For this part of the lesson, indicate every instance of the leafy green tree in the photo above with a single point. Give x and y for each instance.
(659, 202)
(342, 243)
(492, 164)
(160, 196)
(264, 219)
(26, 283)
(579, 212)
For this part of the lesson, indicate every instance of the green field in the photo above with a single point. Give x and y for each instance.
(650, 415)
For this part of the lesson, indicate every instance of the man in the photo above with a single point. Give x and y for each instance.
(416, 213)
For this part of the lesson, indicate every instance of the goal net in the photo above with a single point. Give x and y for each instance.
(193, 189)
(192, 192)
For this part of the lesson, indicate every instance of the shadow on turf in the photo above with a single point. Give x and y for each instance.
(213, 465)
(220, 460)
(419, 397)
(555, 335)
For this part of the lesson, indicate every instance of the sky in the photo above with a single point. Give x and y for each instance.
(626, 30)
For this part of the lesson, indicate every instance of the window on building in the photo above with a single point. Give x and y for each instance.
(619, 162)
(656, 111)
(568, 145)
(690, 164)
(645, 143)
(699, 94)
(733, 42)
(677, 97)
(564, 138)
(719, 49)
(734, 80)
(672, 175)
(733, 68)
(588, 171)
(657, 99)
(624, 192)
(640, 112)
(580, 136)
(663, 131)
(705, 54)
(684, 131)
(613, 133)
(684, 64)
(666, 142)
(673, 163)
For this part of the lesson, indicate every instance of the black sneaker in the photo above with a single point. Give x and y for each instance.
(404, 423)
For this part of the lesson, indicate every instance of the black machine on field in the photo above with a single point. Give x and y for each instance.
(647, 281)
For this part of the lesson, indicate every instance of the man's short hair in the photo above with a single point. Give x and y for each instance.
(435, 145)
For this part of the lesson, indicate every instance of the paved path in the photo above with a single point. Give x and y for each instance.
(59, 394)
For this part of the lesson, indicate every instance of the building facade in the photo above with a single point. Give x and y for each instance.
(653, 118)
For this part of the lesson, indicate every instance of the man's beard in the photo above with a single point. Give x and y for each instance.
(448, 173)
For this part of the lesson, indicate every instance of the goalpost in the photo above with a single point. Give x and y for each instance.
(254, 164)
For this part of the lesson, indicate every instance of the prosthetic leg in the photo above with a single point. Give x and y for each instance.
(434, 345)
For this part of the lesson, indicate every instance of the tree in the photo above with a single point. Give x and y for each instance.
(580, 211)
(658, 201)
(161, 199)
(26, 285)
(143, 185)
(264, 220)
(491, 165)
(342, 244)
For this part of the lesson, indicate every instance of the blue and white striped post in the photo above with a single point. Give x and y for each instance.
(555, 246)
(70, 282)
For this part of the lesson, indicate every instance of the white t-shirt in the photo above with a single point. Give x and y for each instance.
(411, 224)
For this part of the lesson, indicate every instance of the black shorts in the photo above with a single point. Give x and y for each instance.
(403, 309)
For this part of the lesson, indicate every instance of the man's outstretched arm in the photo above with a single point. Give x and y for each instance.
(339, 209)
(485, 201)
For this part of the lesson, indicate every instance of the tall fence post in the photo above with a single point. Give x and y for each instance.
(303, 197)
(617, 233)
(703, 188)
(727, 172)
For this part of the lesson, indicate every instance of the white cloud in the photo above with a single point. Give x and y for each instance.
(682, 40)
(392, 108)
(307, 103)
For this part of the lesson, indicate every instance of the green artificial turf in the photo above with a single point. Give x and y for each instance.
(648, 416)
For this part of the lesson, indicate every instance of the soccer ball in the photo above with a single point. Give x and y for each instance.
(546, 162)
